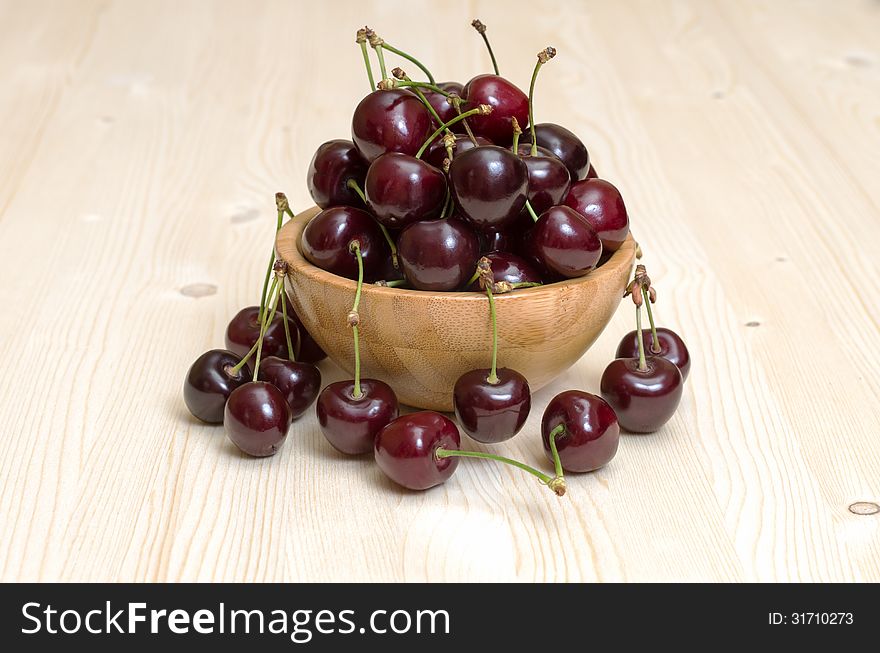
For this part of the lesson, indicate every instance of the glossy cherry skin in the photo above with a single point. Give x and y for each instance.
(256, 418)
(643, 400)
(549, 181)
(591, 434)
(298, 382)
(492, 412)
(334, 163)
(405, 448)
(490, 186)
(309, 351)
(438, 254)
(507, 102)
(209, 383)
(602, 206)
(401, 189)
(436, 151)
(496, 241)
(672, 348)
(565, 243)
(564, 144)
(390, 121)
(327, 236)
(350, 424)
(510, 268)
(244, 330)
(442, 105)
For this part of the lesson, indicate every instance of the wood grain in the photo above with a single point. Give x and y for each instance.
(420, 343)
(136, 210)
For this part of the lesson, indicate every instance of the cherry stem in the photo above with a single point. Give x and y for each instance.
(446, 125)
(233, 371)
(408, 57)
(531, 211)
(428, 105)
(381, 56)
(270, 315)
(655, 341)
(354, 319)
(526, 284)
(290, 354)
(357, 189)
(447, 205)
(515, 146)
(262, 311)
(493, 373)
(363, 45)
(558, 430)
(394, 283)
(557, 484)
(543, 57)
(408, 83)
(643, 364)
(481, 28)
(467, 128)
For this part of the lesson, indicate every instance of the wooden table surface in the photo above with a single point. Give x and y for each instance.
(141, 144)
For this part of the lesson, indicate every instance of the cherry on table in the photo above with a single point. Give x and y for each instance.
(492, 411)
(585, 429)
(644, 397)
(490, 186)
(405, 449)
(327, 237)
(507, 102)
(671, 347)
(565, 243)
(601, 204)
(334, 164)
(243, 331)
(256, 418)
(209, 382)
(401, 189)
(438, 254)
(393, 120)
(351, 423)
(299, 382)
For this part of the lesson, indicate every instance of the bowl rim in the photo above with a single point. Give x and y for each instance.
(287, 247)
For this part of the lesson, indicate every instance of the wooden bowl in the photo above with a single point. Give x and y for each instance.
(421, 342)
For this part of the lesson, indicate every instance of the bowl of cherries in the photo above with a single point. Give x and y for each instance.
(455, 263)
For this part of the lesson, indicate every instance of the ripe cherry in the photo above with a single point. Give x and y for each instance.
(436, 152)
(401, 189)
(298, 382)
(334, 164)
(210, 380)
(257, 418)
(393, 120)
(443, 106)
(585, 430)
(490, 186)
(438, 254)
(507, 102)
(565, 243)
(327, 236)
(565, 145)
(510, 269)
(549, 181)
(669, 346)
(243, 332)
(601, 204)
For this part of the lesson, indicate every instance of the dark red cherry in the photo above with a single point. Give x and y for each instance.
(565, 243)
(390, 121)
(309, 350)
(443, 106)
(549, 181)
(492, 412)
(244, 330)
(602, 206)
(496, 241)
(507, 101)
(298, 382)
(490, 186)
(401, 189)
(436, 151)
(438, 254)
(671, 347)
(350, 424)
(510, 268)
(644, 400)
(257, 418)
(210, 381)
(327, 236)
(564, 144)
(405, 449)
(591, 433)
(334, 164)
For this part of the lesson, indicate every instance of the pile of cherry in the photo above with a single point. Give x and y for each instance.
(440, 189)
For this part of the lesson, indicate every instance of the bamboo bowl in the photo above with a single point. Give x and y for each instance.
(421, 342)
